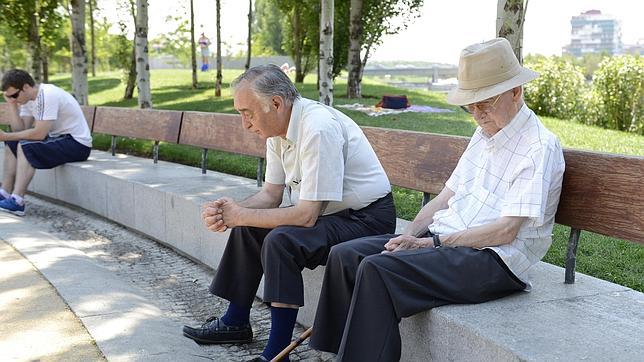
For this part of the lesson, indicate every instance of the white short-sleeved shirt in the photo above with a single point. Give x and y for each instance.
(61, 108)
(310, 160)
(516, 172)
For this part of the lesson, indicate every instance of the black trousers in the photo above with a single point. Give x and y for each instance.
(282, 253)
(365, 294)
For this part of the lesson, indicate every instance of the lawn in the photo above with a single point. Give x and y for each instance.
(606, 258)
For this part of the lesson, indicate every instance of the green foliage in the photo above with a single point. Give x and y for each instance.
(558, 90)
(267, 29)
(175, 43)
(617, 99)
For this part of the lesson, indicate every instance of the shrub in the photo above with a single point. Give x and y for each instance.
(559, 89)
(617, 99)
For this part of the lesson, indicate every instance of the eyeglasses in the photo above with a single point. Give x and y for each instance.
(483, 107)
(15, 95)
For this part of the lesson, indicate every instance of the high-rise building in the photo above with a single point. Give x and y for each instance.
(594, 32)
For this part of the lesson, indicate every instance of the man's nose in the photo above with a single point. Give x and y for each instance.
(245, 123)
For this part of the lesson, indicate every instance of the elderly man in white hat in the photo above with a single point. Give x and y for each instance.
(472, 243)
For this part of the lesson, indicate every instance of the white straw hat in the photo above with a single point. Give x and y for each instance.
(486, 70)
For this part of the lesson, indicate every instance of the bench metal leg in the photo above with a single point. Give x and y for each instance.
(204, 159)
(571, 255)
(113, 147)
(155, 151)
(426, 198)
(260, 171)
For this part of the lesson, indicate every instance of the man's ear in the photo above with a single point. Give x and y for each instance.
(277, 102)
(516, 93)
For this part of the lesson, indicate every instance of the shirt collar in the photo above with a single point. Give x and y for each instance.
(293, 123)
(505, 134)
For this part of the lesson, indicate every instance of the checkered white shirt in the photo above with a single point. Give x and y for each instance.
(516, 172)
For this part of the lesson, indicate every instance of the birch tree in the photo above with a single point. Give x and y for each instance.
(510, 16)
(79, 52)
(92, 6)
(355, 45)
(193, 50)
(326, 53)
(219, 75)
(250, 24)
(142, 62)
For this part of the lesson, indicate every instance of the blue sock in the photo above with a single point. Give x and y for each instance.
(236, 315)
(282, 324)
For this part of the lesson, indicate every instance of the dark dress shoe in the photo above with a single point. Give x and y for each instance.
(214, 331)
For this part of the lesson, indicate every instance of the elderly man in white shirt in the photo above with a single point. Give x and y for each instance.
(474, 242)
(337, 189)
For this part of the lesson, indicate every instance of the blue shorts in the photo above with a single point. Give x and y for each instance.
(51, 152)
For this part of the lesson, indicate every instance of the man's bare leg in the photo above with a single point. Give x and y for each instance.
(9, 174)
(24, 173)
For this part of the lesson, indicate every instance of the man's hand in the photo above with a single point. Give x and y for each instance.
(405, 242)
(212, 216)
(231, 212)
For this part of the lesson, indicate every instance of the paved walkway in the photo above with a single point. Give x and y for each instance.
(131, 293)
(35, 323)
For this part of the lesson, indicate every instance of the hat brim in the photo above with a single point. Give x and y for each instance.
(462, 97)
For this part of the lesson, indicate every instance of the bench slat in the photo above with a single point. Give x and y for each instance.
(603, 193)
(416, 160)
(220, 132)
(139, 123)
(89, 112)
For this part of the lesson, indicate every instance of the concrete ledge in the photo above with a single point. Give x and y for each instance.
(591, 320)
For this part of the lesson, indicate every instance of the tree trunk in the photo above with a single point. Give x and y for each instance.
(298, 40)
(219, 75)
(91, 34)
(192, 43)
(510, 16)
(325, 68)
(131, 74)
(45, 64)
(79, 55)
(355, 44)
(142, 62)
(131, 77)
(250, 23)
(34, 48)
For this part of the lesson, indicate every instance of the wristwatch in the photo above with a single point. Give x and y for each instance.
(437, 241)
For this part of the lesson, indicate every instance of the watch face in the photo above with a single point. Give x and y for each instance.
(437, 241)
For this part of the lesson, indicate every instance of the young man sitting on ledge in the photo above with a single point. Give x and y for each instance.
(48, 130)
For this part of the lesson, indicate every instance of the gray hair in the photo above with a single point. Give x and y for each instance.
(267, 81)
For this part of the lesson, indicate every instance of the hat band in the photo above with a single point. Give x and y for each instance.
(489, 81)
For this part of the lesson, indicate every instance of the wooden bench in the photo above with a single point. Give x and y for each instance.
(88, 111)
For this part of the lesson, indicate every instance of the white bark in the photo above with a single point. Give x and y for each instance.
(79, 52)
(326, 53)
(355, 45)
(510, 16)
(142, 62)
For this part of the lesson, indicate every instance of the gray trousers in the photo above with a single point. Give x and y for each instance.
(282, 253)
(365, 294)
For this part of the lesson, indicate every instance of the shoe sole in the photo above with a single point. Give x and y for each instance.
(17, 213)
(207, 341)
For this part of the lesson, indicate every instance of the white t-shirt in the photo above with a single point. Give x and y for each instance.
(61, 108)
(516, 172)
(310, 160)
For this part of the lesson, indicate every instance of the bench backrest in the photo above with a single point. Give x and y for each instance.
(221, 132)
(138, 123)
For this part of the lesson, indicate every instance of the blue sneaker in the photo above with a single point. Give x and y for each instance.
(10, 205)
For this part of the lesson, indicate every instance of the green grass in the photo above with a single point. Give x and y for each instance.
(603, 257)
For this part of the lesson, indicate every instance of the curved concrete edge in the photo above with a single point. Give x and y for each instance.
(124, 325)
(163, 201)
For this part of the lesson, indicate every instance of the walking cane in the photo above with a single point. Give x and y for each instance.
(293, 345)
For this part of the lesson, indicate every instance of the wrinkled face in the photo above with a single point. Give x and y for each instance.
(496, 112)
(257, 116)
(14, 95)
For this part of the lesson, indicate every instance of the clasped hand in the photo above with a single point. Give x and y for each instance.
(406, 242)
(221, 214)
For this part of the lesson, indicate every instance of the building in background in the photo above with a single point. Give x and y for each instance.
(594, 32)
